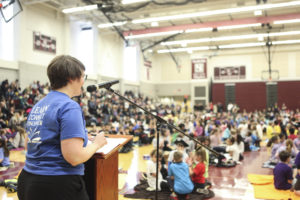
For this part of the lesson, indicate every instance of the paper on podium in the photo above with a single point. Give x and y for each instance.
(111, 144)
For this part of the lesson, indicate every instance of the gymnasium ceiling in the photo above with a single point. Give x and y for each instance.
(192, 25)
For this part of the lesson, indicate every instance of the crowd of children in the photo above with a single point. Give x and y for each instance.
(15, 104)
(230, 133)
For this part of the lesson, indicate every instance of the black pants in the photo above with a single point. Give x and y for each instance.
(37, 187)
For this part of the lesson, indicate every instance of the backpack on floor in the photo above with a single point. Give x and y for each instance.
(10, 184)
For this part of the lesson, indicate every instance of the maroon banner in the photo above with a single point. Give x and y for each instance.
(147, 63)
(199, 68)
(229, 73)
(44, 43)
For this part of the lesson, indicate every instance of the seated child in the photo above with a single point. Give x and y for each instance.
(274, 142)
(283, 174)
(297, 184)
(19, 139)
(179, 172)
(151, 173)
(292, 135)
(297, 141)
(253, 141)
(232, 149)
(180, 146)
(4, 154)
(197, 172)
(240, 145)
(288, 146)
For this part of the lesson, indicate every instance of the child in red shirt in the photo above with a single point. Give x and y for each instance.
(292, 135)
(197, 172)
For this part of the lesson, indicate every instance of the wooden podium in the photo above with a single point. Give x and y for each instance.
(101, 173)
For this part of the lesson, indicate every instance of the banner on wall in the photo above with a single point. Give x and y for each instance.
(199, 68)
(148, 65)
(229, 73)
(44, 43)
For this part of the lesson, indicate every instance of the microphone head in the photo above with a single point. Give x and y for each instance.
(91, 88)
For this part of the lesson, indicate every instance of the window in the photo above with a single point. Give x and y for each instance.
(7, 37)
(130, 70)
(85, 49)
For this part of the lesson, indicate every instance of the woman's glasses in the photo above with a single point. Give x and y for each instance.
(85, 76)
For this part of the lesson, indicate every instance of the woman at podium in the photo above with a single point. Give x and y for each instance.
(57, 138)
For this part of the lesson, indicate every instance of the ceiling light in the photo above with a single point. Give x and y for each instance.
(78, 9)
(258, 12)
(132, 1)
(111, 24)
(152, 34)
(286, 42)
(228, 38)
(287, 21)
(284, 33)
(191, 49)
(154, 24)
(207, 29)
(183, 44)
(171, 32)
(198, 30)
(239, 26)
(260, 38)
(242, 45)
(218, 12)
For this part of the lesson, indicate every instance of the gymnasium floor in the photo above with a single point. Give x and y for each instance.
(228, 183)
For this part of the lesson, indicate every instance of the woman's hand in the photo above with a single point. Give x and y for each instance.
(100, 140)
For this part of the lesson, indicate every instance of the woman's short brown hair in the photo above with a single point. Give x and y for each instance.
(62, 69)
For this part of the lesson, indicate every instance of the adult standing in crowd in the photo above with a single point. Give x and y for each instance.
(57, 138)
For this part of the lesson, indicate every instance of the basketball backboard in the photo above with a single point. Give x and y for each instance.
(9, 9)
(272, 75)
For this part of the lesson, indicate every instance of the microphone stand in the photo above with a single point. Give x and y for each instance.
(159, 122)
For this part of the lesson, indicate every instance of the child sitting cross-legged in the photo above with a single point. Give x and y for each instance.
(151, 173)
(283, 173)
(179, 178)
(197, 171)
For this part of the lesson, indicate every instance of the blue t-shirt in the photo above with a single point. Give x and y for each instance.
(5, 162)
(53, 119)
(182, 180)
(282, 173)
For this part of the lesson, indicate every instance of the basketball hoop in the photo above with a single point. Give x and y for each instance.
(9, 9)
(270, 77)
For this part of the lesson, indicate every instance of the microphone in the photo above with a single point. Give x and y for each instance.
(106, 85)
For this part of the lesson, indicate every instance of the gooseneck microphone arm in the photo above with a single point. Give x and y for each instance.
(159, 122)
